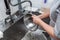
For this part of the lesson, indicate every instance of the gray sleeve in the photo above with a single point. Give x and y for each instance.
(54, 5)
(57, 27)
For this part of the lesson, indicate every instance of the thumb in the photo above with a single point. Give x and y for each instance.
(32, 16)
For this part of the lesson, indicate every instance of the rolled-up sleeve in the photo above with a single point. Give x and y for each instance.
(57, 27)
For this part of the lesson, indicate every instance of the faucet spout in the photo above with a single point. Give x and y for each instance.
(21, 3)
(8, 11)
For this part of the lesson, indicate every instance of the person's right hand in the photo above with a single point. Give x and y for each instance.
(40, 16)
(36, 19)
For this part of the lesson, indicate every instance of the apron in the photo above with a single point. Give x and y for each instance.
(53, 14)
(53, 17)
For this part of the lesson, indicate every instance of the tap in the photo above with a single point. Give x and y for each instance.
(20, 3)
(8, 11)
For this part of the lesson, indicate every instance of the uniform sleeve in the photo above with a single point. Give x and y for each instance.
(57, 27)
(54, 6)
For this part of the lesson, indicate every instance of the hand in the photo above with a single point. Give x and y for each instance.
(45, 10)
(36, 19)
(46, 13)
(40, 16)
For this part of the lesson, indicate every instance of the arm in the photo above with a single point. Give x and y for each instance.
(45, 14)
(49, 29)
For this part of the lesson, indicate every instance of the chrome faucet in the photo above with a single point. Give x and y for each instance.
(8, 11)
(21, 3)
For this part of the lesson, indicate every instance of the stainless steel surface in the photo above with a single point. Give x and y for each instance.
(15, 31)
(6, 24)
(36, 35)
(29, 22)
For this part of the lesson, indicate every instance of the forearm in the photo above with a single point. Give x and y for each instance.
(49, 29)
(44, 15)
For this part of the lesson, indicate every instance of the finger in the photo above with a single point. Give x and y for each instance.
(33, 16)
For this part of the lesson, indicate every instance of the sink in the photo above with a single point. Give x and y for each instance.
(16, 31)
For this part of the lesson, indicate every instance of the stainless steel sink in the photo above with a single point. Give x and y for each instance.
(16, 31)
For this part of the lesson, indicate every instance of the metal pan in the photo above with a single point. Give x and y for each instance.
(29, 22)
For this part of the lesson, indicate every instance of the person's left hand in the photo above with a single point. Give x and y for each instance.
(36, 19)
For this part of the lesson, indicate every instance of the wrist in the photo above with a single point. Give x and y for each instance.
(39, 21)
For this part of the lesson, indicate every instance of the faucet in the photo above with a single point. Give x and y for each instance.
(21, 3)
(8, 11)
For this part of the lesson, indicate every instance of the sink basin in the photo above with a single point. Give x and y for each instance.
(16, 31)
